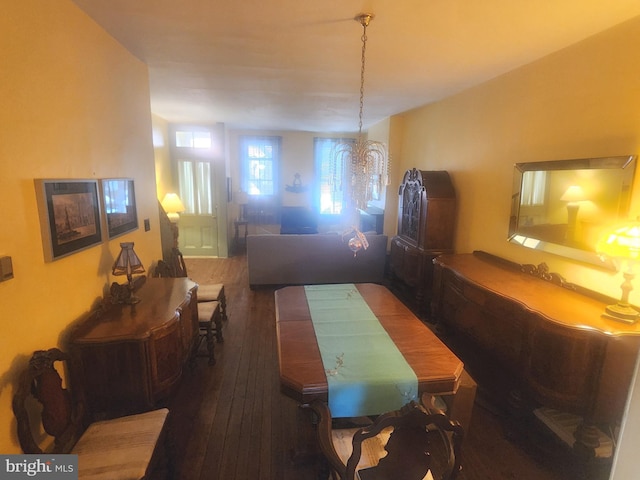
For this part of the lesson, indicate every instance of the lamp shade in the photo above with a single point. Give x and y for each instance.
(127, 262)
(622, 243)
(171, 203)
(573, 194)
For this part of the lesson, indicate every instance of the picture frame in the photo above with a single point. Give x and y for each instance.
(119, 205)
(70, 217)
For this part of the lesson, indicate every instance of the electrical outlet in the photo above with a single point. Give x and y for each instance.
(6, 269)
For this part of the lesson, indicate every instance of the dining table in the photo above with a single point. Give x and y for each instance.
(303, 374)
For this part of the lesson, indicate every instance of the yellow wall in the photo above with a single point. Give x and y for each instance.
(75, 104)
(162, 156)
(583, 101)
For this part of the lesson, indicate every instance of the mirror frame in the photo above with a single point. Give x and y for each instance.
(626, 163)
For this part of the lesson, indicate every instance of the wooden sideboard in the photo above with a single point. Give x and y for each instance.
(126, 358)
(549, 337)
(426, 223)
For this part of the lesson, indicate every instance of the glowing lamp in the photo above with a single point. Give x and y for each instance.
(623, 246)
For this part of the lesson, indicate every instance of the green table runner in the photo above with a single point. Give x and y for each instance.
(366, 373)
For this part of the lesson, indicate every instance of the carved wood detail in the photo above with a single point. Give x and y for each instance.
(426, 220)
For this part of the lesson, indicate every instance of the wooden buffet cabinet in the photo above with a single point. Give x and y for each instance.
(426, 223)
(548, 336)
(126, 358)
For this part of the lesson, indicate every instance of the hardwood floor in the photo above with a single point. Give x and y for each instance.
(230, 421)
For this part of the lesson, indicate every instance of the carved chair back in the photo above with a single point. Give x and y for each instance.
(422, 441)
(59, 417)
(173, 268)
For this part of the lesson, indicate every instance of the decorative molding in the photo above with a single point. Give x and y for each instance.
(542, 271)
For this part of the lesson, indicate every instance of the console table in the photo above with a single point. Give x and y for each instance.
(125, 358)
(236, 238)
(549, 336)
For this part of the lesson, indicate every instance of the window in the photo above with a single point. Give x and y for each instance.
(534, 185)
(330, 194)
(193, 139)
(260, 159)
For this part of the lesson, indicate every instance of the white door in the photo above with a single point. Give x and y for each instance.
(199, 222)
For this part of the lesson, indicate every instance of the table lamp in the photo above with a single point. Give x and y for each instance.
(173, 206)
(623, 245)
(127, 264)
(573, 196)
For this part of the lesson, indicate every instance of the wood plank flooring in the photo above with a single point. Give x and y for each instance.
(230, 421)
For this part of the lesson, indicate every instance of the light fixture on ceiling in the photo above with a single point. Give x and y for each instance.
(365, 162)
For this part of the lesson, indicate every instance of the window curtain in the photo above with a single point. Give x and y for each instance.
(329, 194)
(534, 186)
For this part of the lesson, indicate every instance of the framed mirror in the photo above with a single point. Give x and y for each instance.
(564, 206)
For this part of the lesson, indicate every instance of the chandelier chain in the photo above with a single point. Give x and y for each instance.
(362, 62)
(360, 167)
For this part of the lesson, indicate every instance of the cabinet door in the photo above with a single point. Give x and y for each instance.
(112, 378)
(409, 208)
(396, 257)
(165, 357)
(412, 268)
(563, 365)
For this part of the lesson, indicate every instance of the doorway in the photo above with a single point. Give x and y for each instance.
(199, 222)
(198, 173)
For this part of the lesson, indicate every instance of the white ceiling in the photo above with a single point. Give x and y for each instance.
(295, 64)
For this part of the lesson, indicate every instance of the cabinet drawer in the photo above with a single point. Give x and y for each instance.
(494, 325)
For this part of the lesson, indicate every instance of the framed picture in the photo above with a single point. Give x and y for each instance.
(69, 216)
(119, 197)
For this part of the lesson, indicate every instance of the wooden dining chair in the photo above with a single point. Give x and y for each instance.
(207, 292)
(209, 324)
(412, 443)
(132, 447)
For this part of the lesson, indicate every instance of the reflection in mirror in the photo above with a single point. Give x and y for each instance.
(564, 206)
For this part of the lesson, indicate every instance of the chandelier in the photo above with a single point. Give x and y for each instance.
(365, 162)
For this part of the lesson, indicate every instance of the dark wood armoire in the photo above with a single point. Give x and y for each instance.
(426, 227)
